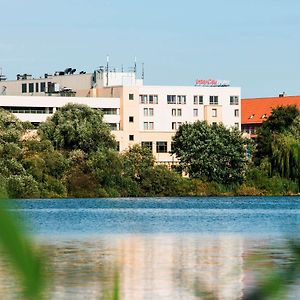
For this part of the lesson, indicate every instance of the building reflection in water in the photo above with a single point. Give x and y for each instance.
(149, 267)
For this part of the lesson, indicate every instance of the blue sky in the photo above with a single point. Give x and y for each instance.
(254, 44)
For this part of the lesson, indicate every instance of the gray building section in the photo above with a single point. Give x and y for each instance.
(78, 85)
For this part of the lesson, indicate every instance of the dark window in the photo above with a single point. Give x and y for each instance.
(161, 147)
(131, 119)
(200, 99)
(171, 99)
(36, 87)
(50, 87)
(31, 87)
(148, 145)
(131, 96)
(131, 137)
(234, 100)
(43, 86)
(24, 88)
(118, 146)
(213, 100)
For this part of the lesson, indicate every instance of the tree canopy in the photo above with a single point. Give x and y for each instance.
(280, 121)
(77, 126)
(211, 152)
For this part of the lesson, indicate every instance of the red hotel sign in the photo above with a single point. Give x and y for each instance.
(212, 82)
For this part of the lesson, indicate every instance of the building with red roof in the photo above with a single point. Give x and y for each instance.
(257, 110)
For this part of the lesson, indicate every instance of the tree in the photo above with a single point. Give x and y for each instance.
(211, 152)
(136, 160)
(280, 121)
(77, 126)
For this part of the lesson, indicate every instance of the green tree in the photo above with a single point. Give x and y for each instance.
(136, 160)
(77, 126)
(280, 121)
(211, 152)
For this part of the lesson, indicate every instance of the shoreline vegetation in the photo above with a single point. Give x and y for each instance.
(73, 155)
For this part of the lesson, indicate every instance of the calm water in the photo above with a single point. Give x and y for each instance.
(161, 248)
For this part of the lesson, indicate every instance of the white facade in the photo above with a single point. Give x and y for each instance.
(38, 108)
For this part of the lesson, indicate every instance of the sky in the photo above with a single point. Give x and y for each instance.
(254, 44)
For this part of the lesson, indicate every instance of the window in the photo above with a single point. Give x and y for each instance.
(143, 99)
(171, 99)
(131, 118)
(213, 100)
(183, 99)
(148, 112)
(148, 145)
(178, 99)
(131, 97)
(110, 111)
(200, 99)
(195, 99)
(24, 88)
(236, 125)
(113, 126)
(236, 112)
(161, 147)
(31, 87)
(131, 137)
(148, 125)
(36, 87)
(175, 125)
(214, 112)
(153, 99)
(195, 112)
(234, 100)
(173, 112)
(179, 112)
(43, 86)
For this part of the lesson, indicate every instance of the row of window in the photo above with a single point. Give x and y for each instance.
(28, 110)
(181, 99)
(149, 112)
(110, 111)
(161, 146)
(149, 99)
(35, 87)
(176, 99)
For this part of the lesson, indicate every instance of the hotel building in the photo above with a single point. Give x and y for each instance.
(136, 113)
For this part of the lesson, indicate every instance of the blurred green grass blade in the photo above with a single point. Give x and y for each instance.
(21, 254)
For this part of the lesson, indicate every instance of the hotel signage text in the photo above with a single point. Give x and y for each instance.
(212, 82)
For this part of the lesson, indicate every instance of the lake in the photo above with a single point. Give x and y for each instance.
(159, 248)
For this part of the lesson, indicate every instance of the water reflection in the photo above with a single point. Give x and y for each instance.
(150, 267)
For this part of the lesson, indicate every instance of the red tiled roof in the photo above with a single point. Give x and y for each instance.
(257, 110)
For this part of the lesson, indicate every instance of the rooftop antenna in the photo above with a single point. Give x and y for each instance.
(107, 62)
(134, 69)
(122, 68)
(143, 71)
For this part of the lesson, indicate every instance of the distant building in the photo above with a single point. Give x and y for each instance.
(257, 110)
(136, 113)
